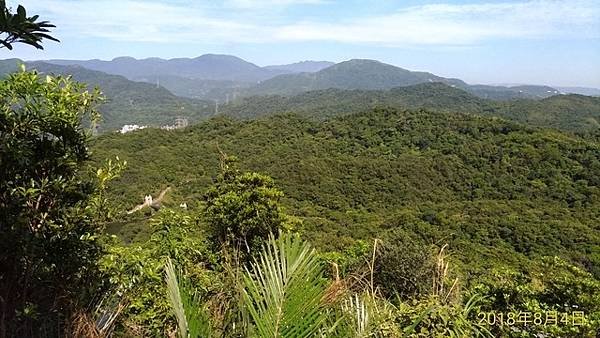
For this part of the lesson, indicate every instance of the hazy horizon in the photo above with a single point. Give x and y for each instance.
(543, 42)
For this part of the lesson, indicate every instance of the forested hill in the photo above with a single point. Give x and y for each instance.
(575, 113)
(353, 74)
(568, 112)
(499, 193)
(371, 74)
(333, 102)
(127, 102)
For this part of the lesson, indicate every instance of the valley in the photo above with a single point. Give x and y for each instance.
(440, 179)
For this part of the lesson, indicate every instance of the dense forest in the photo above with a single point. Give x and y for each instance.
(418, 211)
(458, 177)
(502, 196)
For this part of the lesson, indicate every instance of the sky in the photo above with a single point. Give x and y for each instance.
(480, 41)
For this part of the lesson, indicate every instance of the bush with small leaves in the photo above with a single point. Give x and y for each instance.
(243, 209)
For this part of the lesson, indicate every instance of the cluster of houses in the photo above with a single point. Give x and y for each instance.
(179, 123)
(131, 127)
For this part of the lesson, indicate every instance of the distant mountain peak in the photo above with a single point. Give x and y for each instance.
(368, 64)
(354, 62)
(218, 57)
(122, 58)
(361, 61)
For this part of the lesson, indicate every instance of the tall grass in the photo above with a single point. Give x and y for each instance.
(284, 294)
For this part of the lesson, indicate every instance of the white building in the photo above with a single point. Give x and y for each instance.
(131, 127)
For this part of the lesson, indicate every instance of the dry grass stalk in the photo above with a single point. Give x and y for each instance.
(440, 277)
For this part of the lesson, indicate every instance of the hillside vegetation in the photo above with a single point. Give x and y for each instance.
(575, 113)
(376, 202)
(499, 193)
(514, 208)
(423, 222)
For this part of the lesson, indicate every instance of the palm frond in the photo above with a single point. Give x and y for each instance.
(192, 316)
(284, 289)
(175, 299)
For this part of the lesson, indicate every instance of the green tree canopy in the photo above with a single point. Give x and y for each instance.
(243, 209)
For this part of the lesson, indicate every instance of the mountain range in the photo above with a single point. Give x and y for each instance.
(225, 77)
(205, 67)
(155, 91)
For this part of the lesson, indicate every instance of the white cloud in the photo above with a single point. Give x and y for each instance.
(437, 24)
(132, 20)
(260, 4)
(444, 24)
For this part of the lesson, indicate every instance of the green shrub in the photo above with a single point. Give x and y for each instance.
(404, 266)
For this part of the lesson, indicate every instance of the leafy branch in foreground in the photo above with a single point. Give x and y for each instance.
(53, 243)
(17, 27)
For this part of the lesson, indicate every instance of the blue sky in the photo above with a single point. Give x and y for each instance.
(486, 41)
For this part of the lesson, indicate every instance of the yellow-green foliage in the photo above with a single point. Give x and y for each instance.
(48, 242)
(497, 192)
(136, 271)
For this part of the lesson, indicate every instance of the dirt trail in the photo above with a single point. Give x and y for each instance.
(150, 202)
